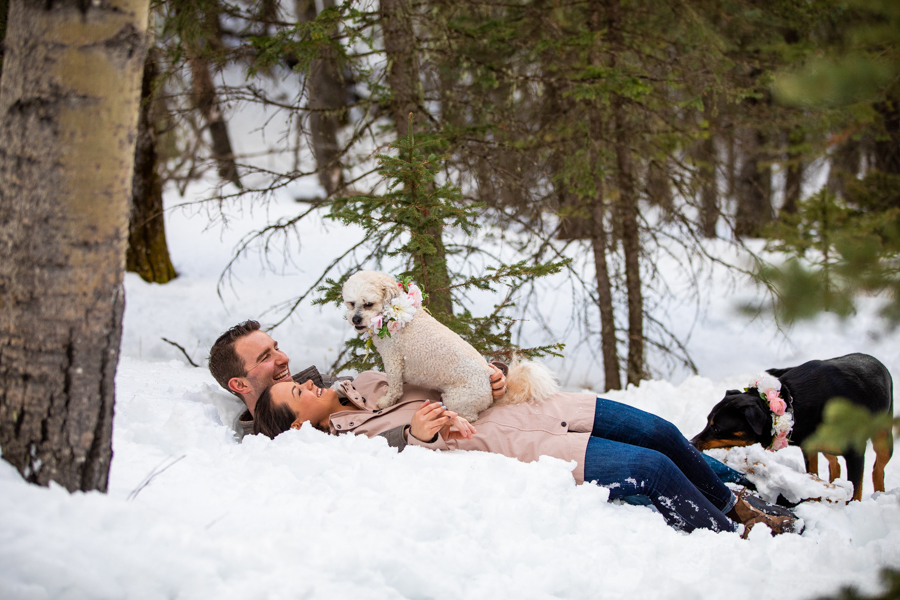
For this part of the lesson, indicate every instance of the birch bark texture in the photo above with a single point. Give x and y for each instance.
(68, 117)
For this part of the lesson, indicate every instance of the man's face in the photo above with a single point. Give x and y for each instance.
(264, 364)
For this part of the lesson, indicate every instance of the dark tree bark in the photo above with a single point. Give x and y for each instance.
(627, 210)
(659, 191)
(793, 179)
(4, 12)
(707, 172)
(327, 101)
(598, 233)
(403, 64)
(754, 187)
(627, 206)
(148, 251)
(844, 164)
(207, 102)
(887, 150)
(198, 47)
(406, 98)
(67, 134)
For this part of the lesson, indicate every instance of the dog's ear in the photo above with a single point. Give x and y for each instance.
(390, 289)
(757, 418)
(733, 393)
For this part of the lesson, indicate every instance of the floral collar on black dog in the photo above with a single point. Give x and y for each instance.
(782, 418)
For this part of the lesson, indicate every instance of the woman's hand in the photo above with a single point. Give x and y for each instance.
(464, 429)
(498, 383)
(429, 420)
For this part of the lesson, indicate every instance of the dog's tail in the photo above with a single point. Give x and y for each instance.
(528, 381)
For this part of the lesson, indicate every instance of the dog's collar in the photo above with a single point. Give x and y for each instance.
(397, 314)
(780, 403)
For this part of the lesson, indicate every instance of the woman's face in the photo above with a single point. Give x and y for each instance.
(306, 401)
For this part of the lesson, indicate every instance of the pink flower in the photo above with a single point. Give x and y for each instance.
(780, 441)
(393, 327)
(776, 404)
(376, 322)
(415, 295)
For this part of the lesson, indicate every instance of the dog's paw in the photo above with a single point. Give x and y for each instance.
(386, 401)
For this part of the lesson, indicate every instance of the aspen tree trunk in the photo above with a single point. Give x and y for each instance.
(407, 98)
(68, 116)
(327, 98)
(628, 210)
(148, 251)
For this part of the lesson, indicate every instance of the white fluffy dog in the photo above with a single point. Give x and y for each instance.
(418, 349)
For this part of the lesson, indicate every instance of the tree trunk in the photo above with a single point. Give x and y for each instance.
(4, 13)
(207, 102)
(709, 185)
(793, 180)
(843, 165)
(403, 64)
(406, 98)
(69, 103)
(148, 252)
(887, 151)
(659, 190)
(628, 211)
(599, 239)
(754, 188)
(327, 99)
(198, 45)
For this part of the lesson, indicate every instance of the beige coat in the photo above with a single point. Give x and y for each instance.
(558, 427)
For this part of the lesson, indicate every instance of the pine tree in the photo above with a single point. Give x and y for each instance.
(402, 222)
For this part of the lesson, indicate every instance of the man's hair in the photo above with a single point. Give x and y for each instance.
(270, 419)
(224, 362)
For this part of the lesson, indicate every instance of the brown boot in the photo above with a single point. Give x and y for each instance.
(749, 516)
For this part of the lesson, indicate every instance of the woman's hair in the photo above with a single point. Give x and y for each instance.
(269, 418)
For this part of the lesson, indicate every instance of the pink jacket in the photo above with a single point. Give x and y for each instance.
(558, 427)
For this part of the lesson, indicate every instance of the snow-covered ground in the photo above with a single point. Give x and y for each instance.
(191, 513)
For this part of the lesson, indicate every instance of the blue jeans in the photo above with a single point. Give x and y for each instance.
(634, 453)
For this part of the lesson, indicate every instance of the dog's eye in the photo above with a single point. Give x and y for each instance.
(368, 305)
(351, 304)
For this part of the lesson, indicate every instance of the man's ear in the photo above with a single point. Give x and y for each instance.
(239, 385)
(297, 424)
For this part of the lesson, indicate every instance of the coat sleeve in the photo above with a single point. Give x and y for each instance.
(396, 437)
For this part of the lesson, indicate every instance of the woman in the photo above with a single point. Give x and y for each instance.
(631, 452)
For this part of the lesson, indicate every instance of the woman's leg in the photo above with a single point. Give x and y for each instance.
(634, 471)
(622, 423)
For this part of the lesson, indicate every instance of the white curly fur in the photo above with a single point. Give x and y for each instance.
(528, 381)
(426, 353)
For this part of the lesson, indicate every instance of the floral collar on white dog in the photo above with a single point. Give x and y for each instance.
(782, 420)
(398, 313)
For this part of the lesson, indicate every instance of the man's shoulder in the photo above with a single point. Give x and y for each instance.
(322, 381)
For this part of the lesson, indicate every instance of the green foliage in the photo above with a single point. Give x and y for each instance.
(890, 579)
(846, 425)
(407, 219)
(838, 249)
(857, 67)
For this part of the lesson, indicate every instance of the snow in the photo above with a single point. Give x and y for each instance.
(192, 513)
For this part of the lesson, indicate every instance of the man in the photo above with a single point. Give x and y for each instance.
(246, 361)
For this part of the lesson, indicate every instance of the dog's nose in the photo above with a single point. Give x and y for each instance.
(356, 319)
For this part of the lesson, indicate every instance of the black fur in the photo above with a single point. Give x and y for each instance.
(744, 417)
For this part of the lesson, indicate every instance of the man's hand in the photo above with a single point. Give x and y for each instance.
(498, 383)
(429, 420)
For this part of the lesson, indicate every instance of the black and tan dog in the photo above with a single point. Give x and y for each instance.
(744, 418)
